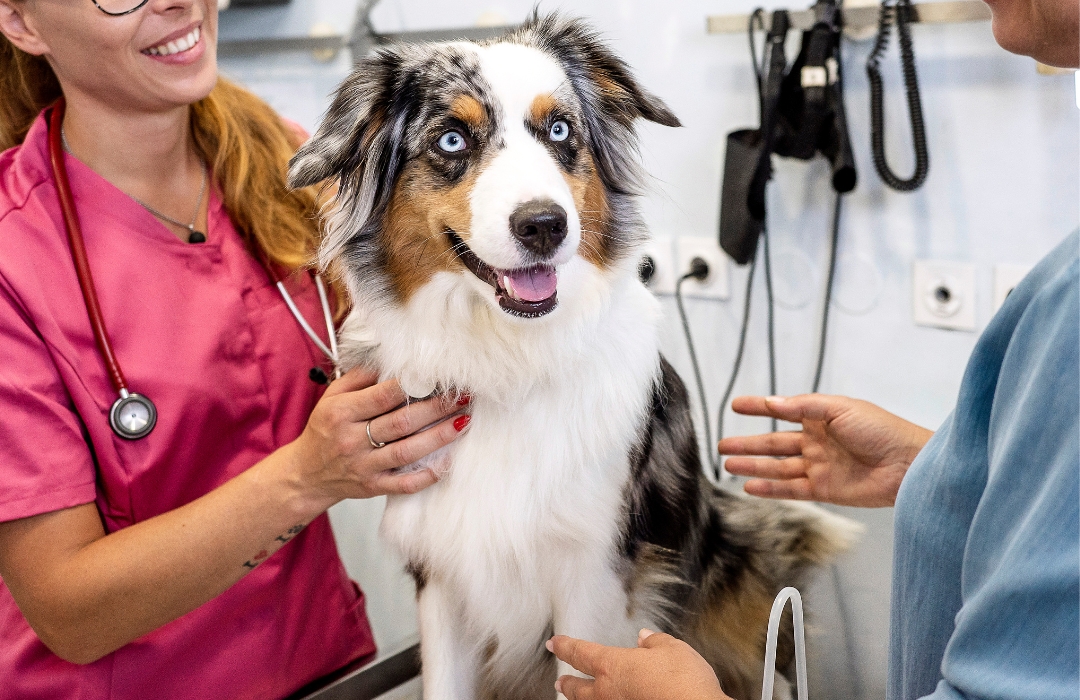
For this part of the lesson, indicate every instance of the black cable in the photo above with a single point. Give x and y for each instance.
(771, 325)
(756, 18)
(709, 447)
(828, 293)
(738, 359)
(902, 12)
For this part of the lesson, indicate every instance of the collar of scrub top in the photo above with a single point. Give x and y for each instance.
(133, 415)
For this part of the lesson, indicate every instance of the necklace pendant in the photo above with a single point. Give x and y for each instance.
(197, 237)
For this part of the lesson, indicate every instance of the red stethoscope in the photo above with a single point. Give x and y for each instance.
(133, 415)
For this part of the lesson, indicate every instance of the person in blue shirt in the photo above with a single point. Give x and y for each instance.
(986, 568)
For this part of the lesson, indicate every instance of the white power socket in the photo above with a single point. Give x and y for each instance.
(717, 284)
(944, 294)
(1007, 276)
(660, 250)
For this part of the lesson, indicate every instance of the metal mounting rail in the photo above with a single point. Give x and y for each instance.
(366, 681)
(864, 17)
(360, 39)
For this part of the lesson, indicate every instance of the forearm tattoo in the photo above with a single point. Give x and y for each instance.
(282, 538)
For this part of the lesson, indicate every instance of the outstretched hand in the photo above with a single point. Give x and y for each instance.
(661, 668)
(849, 452)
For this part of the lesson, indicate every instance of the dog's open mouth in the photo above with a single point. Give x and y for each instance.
(529, 292)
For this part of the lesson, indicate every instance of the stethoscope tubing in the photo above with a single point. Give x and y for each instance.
(78, 249)
(133, 415)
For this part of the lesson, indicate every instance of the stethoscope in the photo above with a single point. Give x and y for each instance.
(133, 415)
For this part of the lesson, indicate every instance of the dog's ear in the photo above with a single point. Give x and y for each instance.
(610, 95)
(358, 146)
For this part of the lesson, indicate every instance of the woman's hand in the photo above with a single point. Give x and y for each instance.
(87, 593)
(849, 452)
(661, 668)
(333, 458)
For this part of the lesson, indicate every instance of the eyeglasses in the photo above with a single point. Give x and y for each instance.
(119, 8)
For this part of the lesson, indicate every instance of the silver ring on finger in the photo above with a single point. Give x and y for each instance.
(376, 445)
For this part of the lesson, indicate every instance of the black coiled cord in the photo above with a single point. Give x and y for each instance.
(901, 11)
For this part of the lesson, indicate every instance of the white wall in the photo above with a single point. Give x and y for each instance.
(1003, 188)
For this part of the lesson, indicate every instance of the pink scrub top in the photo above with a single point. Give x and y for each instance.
(201, 330)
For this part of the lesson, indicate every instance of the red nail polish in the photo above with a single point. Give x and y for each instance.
(460, 422)
(464, 400)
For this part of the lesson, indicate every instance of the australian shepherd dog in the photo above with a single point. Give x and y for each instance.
(485, 225)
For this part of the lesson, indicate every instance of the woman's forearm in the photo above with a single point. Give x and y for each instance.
(100, 592)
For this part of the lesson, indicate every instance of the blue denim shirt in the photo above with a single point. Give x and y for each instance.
(986, 569)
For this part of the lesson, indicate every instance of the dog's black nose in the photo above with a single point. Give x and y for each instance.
(540, 226)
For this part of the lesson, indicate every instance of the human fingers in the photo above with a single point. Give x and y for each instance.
(576, 688)
(766, 467)
(356, 378)
(374, 400)
(786, 444)
(794, 409)
(796, 489)
(584, 656)
(386, 483)
(410, 449)
(413, 416)
(647, 639)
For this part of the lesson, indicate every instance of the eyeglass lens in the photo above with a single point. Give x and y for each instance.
(119, 7)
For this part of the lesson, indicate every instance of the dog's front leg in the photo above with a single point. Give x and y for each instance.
(448, 658)
(592, 606)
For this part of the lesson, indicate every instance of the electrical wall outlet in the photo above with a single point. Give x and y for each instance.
(716, 285)
(1007, 276)
(660, 251)
(944, 294)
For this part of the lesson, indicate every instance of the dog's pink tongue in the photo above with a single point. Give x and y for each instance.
(533, 283)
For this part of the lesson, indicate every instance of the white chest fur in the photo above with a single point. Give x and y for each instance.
(530, 509)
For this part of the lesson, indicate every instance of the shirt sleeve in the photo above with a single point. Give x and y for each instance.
(45, 460)
(1017, 634)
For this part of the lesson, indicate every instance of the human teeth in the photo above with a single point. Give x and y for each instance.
(177, 46)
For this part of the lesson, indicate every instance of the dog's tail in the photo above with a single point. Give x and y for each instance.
(756, 548)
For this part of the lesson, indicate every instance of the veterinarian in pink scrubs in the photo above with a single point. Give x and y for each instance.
(196, 561)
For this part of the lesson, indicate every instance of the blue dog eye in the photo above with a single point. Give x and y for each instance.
(560, 131)
(452, 142)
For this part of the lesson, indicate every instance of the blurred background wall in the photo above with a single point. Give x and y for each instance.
(1003, 188)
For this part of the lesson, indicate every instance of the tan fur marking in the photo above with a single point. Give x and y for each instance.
(541, 107)
(590, 199)
(469, 110)
(731, 632)
(414, 237)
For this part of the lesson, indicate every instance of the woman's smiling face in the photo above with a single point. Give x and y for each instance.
(159, 57)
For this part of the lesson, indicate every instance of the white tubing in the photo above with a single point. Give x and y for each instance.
(782, 598)
(331, 333)
(304, 324)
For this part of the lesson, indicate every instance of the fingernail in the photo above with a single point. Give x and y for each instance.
(776, 399)
(550, 646)
(460, 422)
(464, 400)
(558, 686)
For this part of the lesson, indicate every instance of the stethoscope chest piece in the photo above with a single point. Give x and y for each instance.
(132, 416)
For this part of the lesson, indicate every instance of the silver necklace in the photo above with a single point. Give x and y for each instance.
(193, 235)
